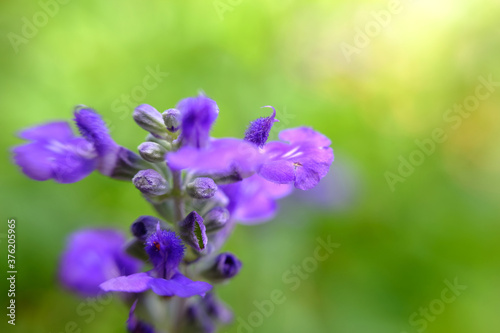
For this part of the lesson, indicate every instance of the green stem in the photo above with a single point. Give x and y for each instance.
(179, 213)
(177, 195)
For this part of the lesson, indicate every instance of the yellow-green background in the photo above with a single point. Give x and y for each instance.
(396, 247)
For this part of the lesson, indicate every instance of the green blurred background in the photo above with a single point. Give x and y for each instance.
(397, 247)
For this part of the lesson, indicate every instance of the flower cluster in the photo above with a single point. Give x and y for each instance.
(200, 186)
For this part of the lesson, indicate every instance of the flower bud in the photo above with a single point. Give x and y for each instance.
(172, 119)
(216, 219)
(201, 188)
(145, 225)
(224, 266)
(193, 231)
(150, 182)
(148, 118)
(152, 152)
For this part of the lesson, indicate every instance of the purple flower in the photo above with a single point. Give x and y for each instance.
(93, 256)
(226, 157)
(94, 129)
(303, 161)
(113, 160)
(55, 153)
(253, 200)
(165, 252)
(258, 130)
(198, 115)
(229, 159)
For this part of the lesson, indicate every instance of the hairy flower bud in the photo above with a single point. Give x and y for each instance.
(149, 119)
(152, 152)
(172, 119)
(216, 219)
(201, 188)
(150, 182)
(224, 266)
(193, 231)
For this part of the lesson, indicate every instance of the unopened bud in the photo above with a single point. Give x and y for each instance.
(150, 120)
(152, 152)
(201, 188)
(172, 119)
(224, 266)
(216, 219)
(150, 182)
(193, 231)
(145, 225)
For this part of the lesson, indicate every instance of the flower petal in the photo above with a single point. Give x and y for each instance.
(135, 283)
(93, 256)
(198, 115)
(180, 286)
(304, 134)
(65, 161)
(304, 161)
(35, 161)
(253, 200)
(280, 172)
(93, 128)
(221, 155)
(58, 130)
